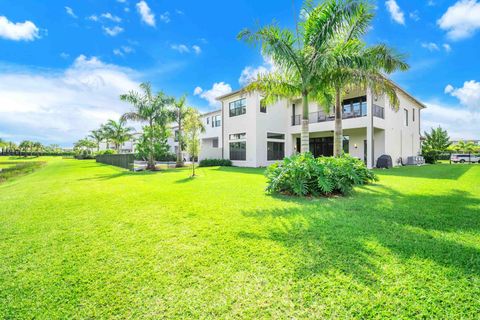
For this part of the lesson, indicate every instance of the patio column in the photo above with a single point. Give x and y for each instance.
(369, 138)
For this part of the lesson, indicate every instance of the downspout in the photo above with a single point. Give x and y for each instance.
(223, 134)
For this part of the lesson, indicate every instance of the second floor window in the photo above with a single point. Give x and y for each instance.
(406, 117)
(238, 107)
(237, 136)
(216, 121)
(413, 115)
(263, 106)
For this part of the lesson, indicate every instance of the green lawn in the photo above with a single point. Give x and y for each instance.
(84, 240)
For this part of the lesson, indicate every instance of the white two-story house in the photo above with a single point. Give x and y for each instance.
(254, 136)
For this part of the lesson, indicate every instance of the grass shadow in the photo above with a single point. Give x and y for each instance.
(438, 171)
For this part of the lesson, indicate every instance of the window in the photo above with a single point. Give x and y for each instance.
(413, 115)
(275, 150)
(175, 136)
(238, 107)
(208, 120)
(238, 150)
(406, 117)
(216, 121)
(263, 107)
(237, 136)
(346, 144)
(279, 136)
(355, 107)
(215, 143)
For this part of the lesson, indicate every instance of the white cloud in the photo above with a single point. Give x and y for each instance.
(93, 17)
(197, 91)
(430, 3)
(414, 15)
(461, 20)
(447, 47)
(121, 1)
(250, 73)
(468, 95)
(70, 12)
(64, 55)
(179, 12)
(109, 16)
(123, 51)
(430, 46)
(26, 31)
(112, 31)
(180, 48)
(146, 14)
(165, 17)
(461, 123)
(61, 106)
(218, 89)
(395, 12)
(197, 49)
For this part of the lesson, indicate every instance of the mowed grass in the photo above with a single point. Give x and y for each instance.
(84, 240)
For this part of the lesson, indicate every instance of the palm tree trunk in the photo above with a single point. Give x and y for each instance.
(180, 138)
(338, 132)
(151, 154)
(304, 135)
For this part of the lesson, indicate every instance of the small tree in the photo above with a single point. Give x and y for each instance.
(436, 142)
(180, 112)
(193, 126)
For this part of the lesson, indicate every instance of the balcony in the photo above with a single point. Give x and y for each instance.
(320, 116)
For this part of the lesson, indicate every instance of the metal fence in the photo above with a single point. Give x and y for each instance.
(118, 160)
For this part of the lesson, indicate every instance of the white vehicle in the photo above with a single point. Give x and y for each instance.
(462, 158)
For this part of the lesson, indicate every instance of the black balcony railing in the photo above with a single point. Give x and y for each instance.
(378, 111)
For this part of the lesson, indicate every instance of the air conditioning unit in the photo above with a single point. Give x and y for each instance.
(415, 161)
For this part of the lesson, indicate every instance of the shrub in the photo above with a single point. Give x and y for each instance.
(215, 162)
(305, 175)
(108, 151)
(84, 154)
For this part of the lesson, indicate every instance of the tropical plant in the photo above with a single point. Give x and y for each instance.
(98, 136)
(354, 65)
(180, 110)
(84, 144)
(38, 147)
(26, 147)
(301, 60)
(152, 109)
(436, 142)
(159, 149)
(305, 175)
(193, 126)
(117, 132)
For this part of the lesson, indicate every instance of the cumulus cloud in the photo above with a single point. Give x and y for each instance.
(183, 48)
(468, 95)
(447, 47)
(460, 122)
(197, 49)
(70, 12)
(165, 17)
(395, 12)
(61, 106)
(250, 73)
(218, 89)
(145, 13)
(430, 46)
(461, 20)
(26, 31)
(109, 16)
(112, 31)
(123, 50)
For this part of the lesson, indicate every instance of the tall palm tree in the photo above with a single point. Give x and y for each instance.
(354, 65)
(26, 146)
(150, 108)
(97, 136)
(118, 132)
(180, 111)
(38, 147)
(300, 59)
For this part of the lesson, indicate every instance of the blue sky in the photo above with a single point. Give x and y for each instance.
(64, 63)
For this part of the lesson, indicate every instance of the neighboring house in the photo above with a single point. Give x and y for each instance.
(127, 147)
(210, 141)
(252, 136)
(475, 142)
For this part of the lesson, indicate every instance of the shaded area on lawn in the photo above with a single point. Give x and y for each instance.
(428, 171)
(405, 226)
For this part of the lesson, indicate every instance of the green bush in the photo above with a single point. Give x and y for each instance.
(84, 154)
(108, 151)
(215, 162)
(305, 175)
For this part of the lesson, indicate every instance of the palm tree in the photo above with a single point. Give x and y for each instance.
(26, 146)
(354, 65)
(301, 59)
(3, 145)
(149, 108)
(118, 132)
(97, 136)
(193, 127)
(180, 111)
